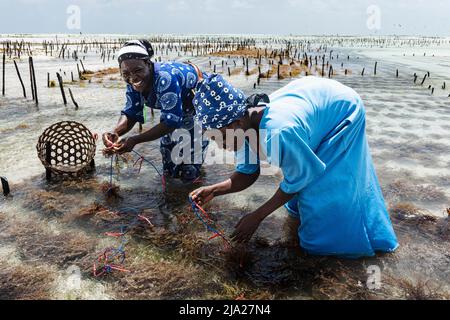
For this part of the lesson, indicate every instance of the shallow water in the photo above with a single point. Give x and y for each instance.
(44, 226)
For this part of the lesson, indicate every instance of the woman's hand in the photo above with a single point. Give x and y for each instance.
(123, 146)
(203, 195)
(250, 222)
(246, 227)
(109, 139)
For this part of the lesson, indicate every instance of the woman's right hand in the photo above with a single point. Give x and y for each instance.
(203, 195)
(109, 139)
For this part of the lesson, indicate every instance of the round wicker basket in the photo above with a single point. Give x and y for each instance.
(66, 148)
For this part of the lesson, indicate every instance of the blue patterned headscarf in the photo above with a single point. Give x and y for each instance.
(217, 103)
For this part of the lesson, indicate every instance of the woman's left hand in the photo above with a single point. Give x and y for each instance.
(123, 146)
(246, 227)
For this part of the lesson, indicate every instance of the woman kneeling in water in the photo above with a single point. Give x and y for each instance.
(164, 86)
(329, 183)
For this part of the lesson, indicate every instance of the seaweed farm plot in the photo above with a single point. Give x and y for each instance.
(121, 232)
(169, 253)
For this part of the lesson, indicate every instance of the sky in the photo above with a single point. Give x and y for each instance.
(283, 17)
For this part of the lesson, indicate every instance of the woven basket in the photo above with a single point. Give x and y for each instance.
(71, 148)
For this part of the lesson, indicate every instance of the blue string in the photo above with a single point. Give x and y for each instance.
(111, 172)
(196, 212)
(148, 161)
(120, 250)
(124, 228)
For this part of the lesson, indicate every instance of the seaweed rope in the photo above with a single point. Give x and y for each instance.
(111, 175)
(142, 159)
(113, 258)
(205, 219)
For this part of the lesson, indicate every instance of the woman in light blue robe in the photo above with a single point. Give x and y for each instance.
(314, 130)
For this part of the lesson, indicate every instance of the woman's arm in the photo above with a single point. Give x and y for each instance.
(237, 182)
(247, 226)
(279, 199)
(154, 133)
(124, 125)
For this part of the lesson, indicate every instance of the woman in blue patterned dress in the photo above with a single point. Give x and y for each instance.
(164, 86)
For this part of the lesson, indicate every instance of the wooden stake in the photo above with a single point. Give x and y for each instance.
(31, 78)
(323, 65)
(5, 186)
(247, 72)
(73, 100)
(3, 74)
(61, 86)
(423, 81)
(20, 78)
(79, 73)
(48, 159)
(82, 65)
(34, 81)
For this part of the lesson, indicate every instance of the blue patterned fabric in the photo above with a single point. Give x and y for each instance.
(185, 172)
(218, 103)
(173, 84)
(172, 94)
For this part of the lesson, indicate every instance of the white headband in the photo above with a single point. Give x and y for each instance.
(133, 49)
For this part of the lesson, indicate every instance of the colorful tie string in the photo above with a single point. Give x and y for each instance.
(141, 159)
(205, 219)
(113, 258)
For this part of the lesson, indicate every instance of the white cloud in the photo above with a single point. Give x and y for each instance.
(178, 6)
(242, 4)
